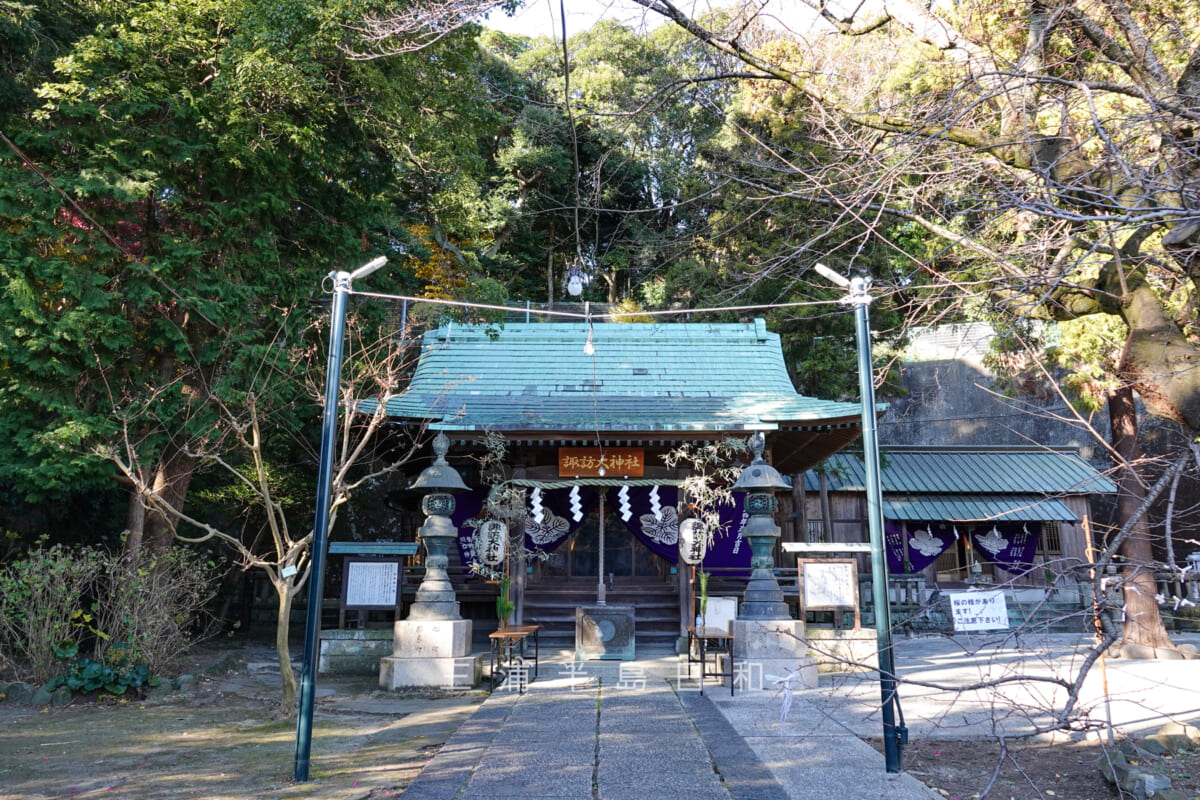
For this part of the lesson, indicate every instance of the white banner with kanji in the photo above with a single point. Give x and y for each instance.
(978, 611)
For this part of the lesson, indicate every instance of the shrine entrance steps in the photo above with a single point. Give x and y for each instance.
(551, 603)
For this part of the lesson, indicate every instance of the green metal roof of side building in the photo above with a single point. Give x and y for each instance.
(983, 470)
(642, 377)
(970, 484)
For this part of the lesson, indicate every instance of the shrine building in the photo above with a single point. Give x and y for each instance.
(587, 412)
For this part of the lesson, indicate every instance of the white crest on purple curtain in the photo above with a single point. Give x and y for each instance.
(576, 504)
(548, 530)
(926, 543)
(663, 528)
(535, 505)
(656, 504)
(993, 542)
(626, 509)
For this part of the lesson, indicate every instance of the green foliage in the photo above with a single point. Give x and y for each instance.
(1087, 353)
(215, 160)
(43, 604)
(86, 676)
(55, 600)
(504, 606)
(149, 612)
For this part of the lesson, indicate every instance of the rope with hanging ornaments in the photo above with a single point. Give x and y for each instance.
(532, 483)
(498, 490)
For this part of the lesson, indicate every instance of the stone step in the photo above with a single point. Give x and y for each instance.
(552, 606)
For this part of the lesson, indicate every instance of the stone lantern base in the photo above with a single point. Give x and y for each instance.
(768, 650)
(431, 654)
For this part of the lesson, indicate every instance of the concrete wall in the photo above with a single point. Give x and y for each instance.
(957, 402)
(954, 403)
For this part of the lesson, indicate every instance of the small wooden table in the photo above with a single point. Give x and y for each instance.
(505, 642)
(721, 642)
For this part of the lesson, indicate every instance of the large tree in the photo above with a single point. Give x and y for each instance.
(170, 203)
(1055, 155)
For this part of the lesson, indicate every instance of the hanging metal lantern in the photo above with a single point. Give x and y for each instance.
(693, 540)
(491, 542)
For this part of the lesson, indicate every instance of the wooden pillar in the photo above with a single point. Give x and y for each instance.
(518, 562)
(826, 510)
(684, 572)
(800, 515)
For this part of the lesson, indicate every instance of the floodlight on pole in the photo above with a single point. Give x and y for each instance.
(831, 276)
(894, 735)
(342, 286)
(367, 268)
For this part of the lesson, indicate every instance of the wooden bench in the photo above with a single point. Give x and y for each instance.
(722, 639)
(504, 642)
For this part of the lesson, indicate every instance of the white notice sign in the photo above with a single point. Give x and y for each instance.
(978, 611)
(371, 583)
(829, 584)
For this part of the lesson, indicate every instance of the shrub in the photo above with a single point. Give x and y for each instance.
(57, 600)
(147, 612)
(43, 598)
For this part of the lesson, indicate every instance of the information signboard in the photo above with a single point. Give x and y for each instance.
(371, 584)
(828, 584)
(978, 611)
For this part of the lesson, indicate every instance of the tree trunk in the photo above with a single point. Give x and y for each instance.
(135, 526)
(287, 677)
(1143, 623)
(171, 480)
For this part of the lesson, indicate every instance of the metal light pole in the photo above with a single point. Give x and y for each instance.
(342, 284)
(893, 734)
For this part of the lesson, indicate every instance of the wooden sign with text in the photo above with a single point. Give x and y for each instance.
(585, 462)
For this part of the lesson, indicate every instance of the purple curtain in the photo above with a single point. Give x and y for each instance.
(650, 512)
(927, 541)
(635, 505)
(467, 508)
(730, 552)
(1010, 545)
(893, 545)
(558, 511)
(563, 510)
(553, 515)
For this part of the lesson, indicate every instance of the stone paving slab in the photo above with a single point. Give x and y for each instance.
(554, 742)
(1140, 694)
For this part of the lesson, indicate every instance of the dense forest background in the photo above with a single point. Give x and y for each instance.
(177, 179)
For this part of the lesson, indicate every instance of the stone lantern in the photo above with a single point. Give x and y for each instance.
(766, 640)
(763, 598)
(435, 596)
(432, 647)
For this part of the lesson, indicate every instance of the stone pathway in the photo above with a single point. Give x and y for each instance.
(596, 741)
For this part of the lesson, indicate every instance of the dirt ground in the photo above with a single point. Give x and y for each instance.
(962, 770)
(221, 741)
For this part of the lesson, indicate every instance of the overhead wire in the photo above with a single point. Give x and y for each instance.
(593, 315)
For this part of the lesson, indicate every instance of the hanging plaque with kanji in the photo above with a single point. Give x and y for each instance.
(598, 462)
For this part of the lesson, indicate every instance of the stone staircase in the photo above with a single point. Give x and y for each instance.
(551, 603)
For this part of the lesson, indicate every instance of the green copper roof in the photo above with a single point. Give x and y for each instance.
(969, 471)
(964, 485)
(990, 508)
(643, 377)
